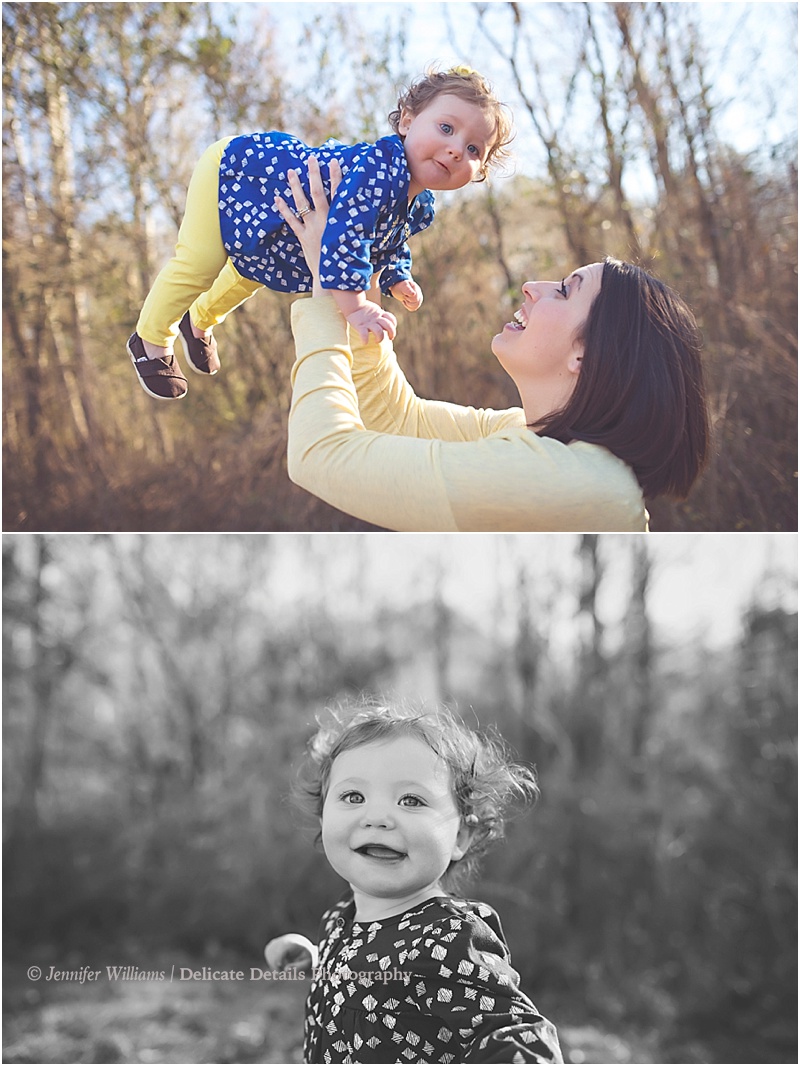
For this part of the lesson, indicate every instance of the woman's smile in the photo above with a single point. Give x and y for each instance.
(519, 322)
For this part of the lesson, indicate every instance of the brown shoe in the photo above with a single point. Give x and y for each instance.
(201, 355)
(160, 378)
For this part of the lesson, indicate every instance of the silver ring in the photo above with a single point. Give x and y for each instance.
(305, 211)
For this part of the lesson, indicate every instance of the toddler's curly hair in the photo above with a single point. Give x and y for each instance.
(471, 86)
(484, 777)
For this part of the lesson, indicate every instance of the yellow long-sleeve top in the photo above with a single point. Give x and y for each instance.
(360, 439)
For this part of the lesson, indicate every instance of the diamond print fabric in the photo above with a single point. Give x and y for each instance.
(431, 985)
(368, 226)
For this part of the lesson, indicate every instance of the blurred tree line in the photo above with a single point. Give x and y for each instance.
(108, 106)
(157, 699)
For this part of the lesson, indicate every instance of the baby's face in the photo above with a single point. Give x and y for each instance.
(446, 144)
(390, 825)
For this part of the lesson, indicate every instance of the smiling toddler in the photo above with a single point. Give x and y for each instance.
(404, 970)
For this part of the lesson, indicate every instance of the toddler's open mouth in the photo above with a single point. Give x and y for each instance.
(378, 851)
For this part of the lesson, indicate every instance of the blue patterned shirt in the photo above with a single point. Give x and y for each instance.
(369, 222)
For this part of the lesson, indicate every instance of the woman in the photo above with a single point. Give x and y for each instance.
(607, 365)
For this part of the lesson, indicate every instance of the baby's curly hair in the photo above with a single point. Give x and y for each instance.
(469, 85)
(485, 779)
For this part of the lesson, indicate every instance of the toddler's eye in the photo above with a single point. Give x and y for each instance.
(352, 797)
(563, 288)
(446, 127)
(473, 149)
(411, 801)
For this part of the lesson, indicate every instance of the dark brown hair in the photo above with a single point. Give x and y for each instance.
(640, 391)
(468, 85)
(484, 777)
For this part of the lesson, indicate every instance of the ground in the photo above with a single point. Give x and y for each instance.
(200, 1021)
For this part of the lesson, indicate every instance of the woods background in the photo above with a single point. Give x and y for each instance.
(158, 692)
(626, 113)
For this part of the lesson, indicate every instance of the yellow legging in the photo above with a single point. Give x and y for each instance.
(200, 277)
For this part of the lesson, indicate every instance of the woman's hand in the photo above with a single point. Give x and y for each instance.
(308, 224)
(307, 221)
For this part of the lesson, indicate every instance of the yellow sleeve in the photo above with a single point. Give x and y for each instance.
(389, 404)
(388, 481)
(473, 478)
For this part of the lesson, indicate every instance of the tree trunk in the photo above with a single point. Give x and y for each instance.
(43, 322)
(614, 156)
(67, 240)
(642, 653)
(41, 682)
(588, 727)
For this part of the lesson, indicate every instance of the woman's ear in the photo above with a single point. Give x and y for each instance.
(575, 360)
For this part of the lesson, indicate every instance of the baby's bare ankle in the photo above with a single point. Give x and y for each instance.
(200, 333)
(153, 351)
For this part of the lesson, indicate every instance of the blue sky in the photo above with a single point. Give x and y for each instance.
(751, 59)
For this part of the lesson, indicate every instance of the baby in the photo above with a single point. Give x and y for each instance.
(405, 971)
(449, 128)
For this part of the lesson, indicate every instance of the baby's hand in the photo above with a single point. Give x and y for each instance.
(408, 293)
(371, 318)
(291, 949)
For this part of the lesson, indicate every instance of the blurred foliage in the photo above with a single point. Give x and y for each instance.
(158, 694)
(108, 106)
(138, 1021)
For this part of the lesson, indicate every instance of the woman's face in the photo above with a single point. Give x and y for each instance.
(541, 345)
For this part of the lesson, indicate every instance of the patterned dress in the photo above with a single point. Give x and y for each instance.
(433, 984)
(369, 222)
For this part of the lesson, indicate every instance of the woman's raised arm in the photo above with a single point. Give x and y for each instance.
(308, 223)
(386, 401)
(412, 478)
